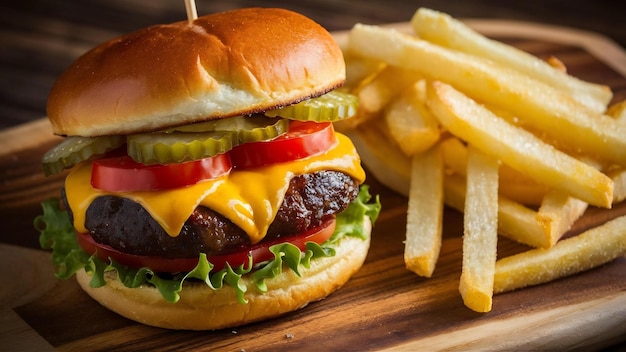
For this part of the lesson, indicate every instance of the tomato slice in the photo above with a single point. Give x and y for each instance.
(120, 173)
(260, 252)
(304, 139)
(158, 264)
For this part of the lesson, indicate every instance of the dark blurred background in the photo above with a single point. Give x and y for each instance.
(40, 38)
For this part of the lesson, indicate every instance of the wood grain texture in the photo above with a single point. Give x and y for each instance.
(384, 306)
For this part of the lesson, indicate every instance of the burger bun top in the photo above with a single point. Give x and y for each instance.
(220, 65)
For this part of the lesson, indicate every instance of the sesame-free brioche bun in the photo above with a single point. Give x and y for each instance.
(202, 308)
(220, 65)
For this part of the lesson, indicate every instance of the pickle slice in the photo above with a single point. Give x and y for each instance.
(332, 106)
(178, 147)
(248, 128)
(72, 150)
(253, 128)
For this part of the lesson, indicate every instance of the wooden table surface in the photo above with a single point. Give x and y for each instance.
(39, 39)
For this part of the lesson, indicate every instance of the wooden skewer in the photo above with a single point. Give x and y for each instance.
(192, 13)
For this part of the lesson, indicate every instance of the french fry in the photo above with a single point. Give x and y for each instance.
(520, 188)
(557, 64)
(410, 123)
(519, 223)
(594, 247)
(619, 181)
(517, 147)
(480, 231)
(360, 69)
(386, 162)
(546, 108)
(513, 184)
(425, 213)
(442, 29)
(454, 188)
(376, 93)
(515, 221)
(454, 154)
(618, 111)
(557, 214)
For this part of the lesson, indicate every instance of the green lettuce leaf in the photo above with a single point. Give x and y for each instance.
(57, 234)
(351, 221)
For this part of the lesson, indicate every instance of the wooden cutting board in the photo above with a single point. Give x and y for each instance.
(383, 307)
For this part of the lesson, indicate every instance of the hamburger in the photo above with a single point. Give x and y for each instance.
(206, 187)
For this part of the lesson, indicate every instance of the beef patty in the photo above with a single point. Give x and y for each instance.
(126, 226)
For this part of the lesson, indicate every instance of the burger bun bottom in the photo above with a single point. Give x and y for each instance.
(202, 308)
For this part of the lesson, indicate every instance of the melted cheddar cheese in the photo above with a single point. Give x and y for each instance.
(250, 198)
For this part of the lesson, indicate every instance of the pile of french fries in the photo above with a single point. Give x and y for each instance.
(450, 117)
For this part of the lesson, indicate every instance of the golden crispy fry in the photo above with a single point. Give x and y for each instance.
(360, 69)
(618, 111)
(517, 147)
(546, 108)
(515, 221)
(385, 161)
(480, 232)
(442, 29)
(590, 249)
(513, 184)
(519, 223)
(454, 154)
(377, 92)
(520, 188)
(425, 213)
(557, 214)
(619, 181)
(542, 146)
(410, 123)
(557, 64)
(454, 187)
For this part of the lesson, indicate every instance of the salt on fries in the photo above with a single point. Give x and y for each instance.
(515, 221)
(425, 212)
(557, 214)
(546, 108)
(572, 255)
(517, 147)
(515, 142)
(480, 231)
(513, 184)
(446, 31)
